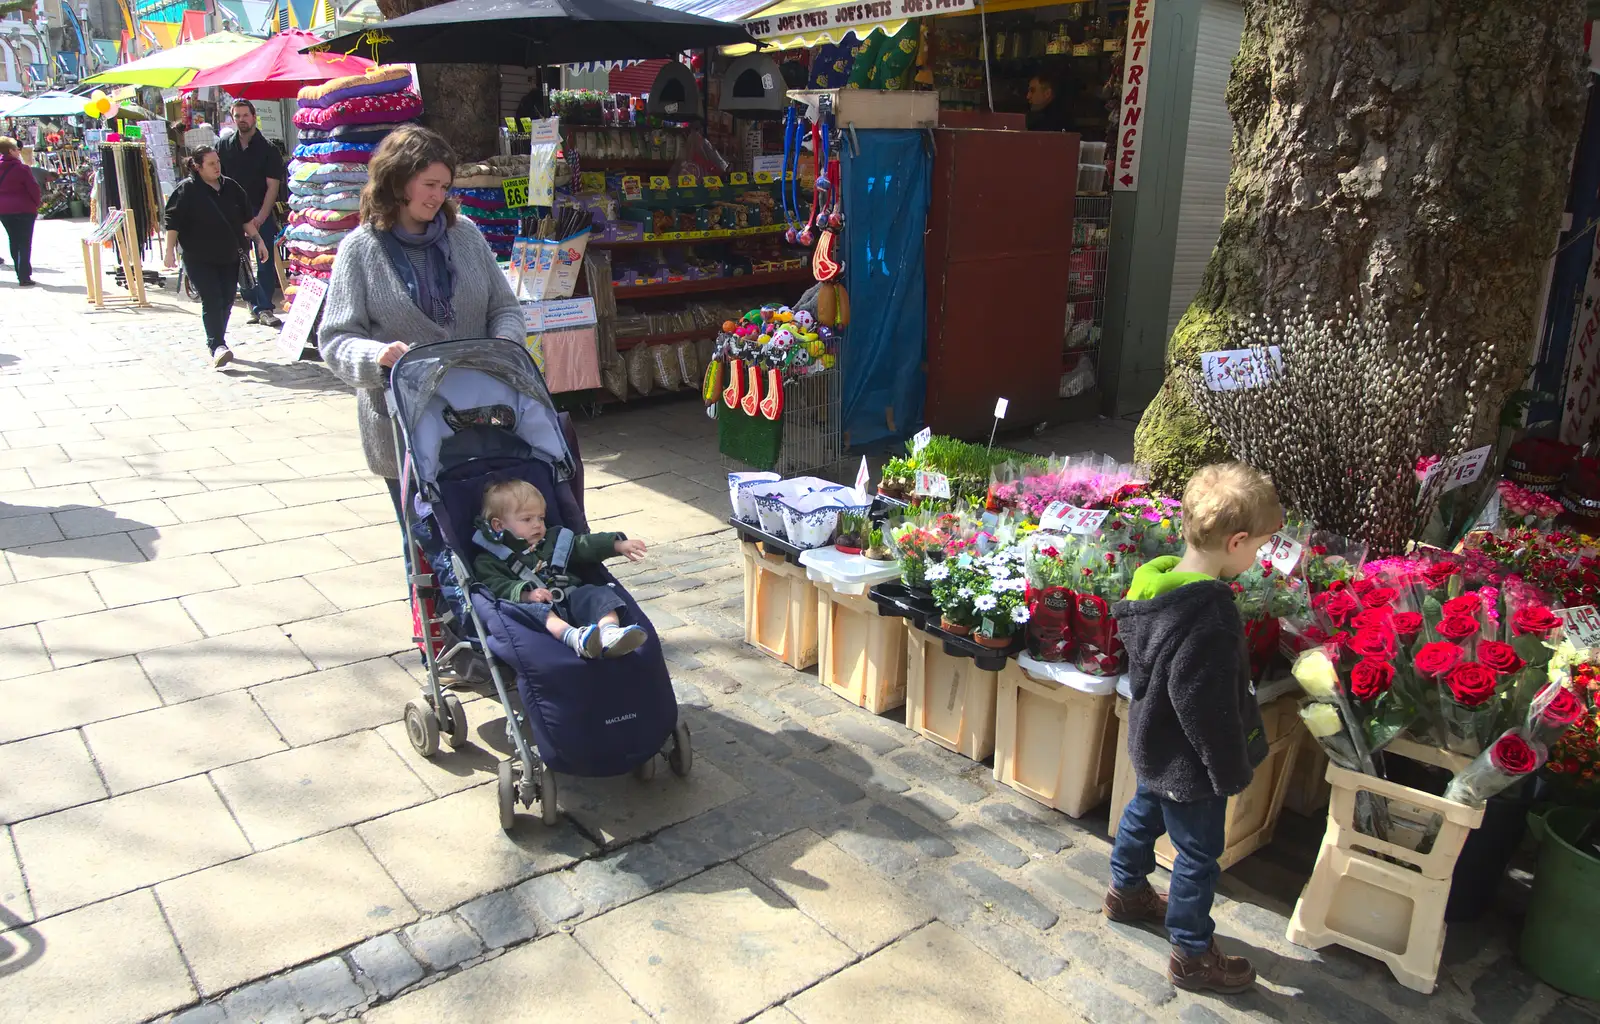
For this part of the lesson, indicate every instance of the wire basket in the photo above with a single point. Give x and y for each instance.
(812, 438)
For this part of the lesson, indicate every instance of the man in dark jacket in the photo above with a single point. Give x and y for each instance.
(249, 158)
(1195, 732)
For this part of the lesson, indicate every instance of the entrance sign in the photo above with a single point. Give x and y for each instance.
(1135, 89)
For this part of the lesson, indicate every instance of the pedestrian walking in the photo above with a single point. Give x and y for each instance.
(19, 207)
(256, 164)
(413, 272)
(208, 215)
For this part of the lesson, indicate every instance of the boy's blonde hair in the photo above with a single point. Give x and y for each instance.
(1225, 499)
(505, 497)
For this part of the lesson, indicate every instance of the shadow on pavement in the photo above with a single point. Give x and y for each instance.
(89, 521)
(21, 945)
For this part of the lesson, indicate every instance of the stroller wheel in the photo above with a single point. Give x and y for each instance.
(646, 770)
(549, 813)
(508, 795)
(422, 726)
(681, 756)
(455, 724)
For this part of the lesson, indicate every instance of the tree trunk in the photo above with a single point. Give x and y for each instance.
(459, 101)
(1413, 154)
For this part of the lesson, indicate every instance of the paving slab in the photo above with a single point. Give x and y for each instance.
(45, 774)
(110, 847)
(358, 586)
(62, 557)
(13, 891)
(932, 976)
(265, 912)
(218, 664)
(160, 579)
(263, 563)
(26, 530)
(260, 604)
(368, 543)
(715, 949)
(305, 520)
(22, 652)
(179, 740)
(621, 809)
(342, 638)
(448, 851)
(182, 539)
(111, 962)
(290, 795)
(551, 981)
(120, 631)
(451, 770)
(71, 697)
(321, 705)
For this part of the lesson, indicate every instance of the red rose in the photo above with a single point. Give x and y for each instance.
(1380, 597)
(1436, 659)
(1471, 684)
(1513, 755)
(1466, 606)
(1439, 573)
(1362, 585)
(1536, 619)
(1563, 708)
(1371, 678)
(1499, 657)
(1408, 624)
(1373, 643)
(1374, 618)
(1337, 605)
(1458, 628)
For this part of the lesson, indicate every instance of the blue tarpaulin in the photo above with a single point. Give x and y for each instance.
(886, 208)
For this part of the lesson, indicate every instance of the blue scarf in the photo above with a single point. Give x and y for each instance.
(433, 290)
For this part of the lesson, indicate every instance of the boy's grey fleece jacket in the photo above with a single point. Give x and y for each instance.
(368, 307)
(1193, 704)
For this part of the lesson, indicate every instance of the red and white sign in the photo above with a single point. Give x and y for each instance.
(1583, 625)
(296, 333)
(1282, 552)
(1135, 86)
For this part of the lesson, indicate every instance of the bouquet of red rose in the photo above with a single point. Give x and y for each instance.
(1509, 759)
(1574, 764)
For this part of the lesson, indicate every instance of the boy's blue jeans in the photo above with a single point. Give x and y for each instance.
(1196, 828)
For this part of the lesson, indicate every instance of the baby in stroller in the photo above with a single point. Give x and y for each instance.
(523, 562)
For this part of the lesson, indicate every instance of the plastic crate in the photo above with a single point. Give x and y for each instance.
(1382, 897)
(1054, 742)
(861, 655)
(780, 608)
(1253, 814)
(949, 699)
(1308, 786)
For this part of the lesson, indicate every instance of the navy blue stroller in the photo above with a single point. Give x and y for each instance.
(468, 413)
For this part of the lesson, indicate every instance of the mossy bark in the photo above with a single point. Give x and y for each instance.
(1410, 154)
(459, 101)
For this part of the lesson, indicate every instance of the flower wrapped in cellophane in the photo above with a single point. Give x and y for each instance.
(1050, 563)
(920, 539)
(1103, 575)
(1508, 760)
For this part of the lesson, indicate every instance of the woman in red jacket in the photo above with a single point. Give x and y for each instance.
(19, 205)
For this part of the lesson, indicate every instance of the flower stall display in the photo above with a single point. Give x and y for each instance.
(966, 467)
(1521, 508)
(1032, 486)
(983, 594)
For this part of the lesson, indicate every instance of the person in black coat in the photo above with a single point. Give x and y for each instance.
(209, 216)
(1195, 733)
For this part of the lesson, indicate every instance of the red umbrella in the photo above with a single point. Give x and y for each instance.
(276, 70)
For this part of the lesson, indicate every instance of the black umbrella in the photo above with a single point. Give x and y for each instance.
(531, 33)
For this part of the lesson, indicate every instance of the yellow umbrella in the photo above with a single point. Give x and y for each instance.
(174, 67)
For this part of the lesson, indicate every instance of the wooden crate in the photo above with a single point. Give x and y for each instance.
(861, 655)
(950, 700)
(1054, 743)
(1253, 814)
(1380, 896)
(780, 608)
(1308, 786)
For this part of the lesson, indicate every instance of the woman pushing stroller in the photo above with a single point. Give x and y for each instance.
(523, 562)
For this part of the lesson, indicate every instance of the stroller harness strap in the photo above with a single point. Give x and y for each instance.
(564, 541)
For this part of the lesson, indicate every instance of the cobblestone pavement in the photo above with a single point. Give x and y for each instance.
(209, 810)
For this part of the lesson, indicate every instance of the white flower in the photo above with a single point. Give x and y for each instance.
(984, 602)
(964, 593)
(937, 572)
(1000, 571)
(1018, 585)
(1019, 614)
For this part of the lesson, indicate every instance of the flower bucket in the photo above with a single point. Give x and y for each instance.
(810, 519)
(1558, 937)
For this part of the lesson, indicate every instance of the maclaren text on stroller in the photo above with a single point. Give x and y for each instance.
(468, 413)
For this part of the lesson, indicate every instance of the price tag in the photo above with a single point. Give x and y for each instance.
(632, 187)
(527, 126)
(687, 181)
(1084, 520)
(660, 182)
(592, 181)
(511, 124)
(1283, 552)
(763, 177)
(934, 485)
(1583, 625)
(516, 190)
(1459, 471)
(1000, 405)
(546, 132)
(711, 181)
(1239, 369)
(920, 440)
(738, 178)
(1054, 516)
(296, 333)
(863, 476)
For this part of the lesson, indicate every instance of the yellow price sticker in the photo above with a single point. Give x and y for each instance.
(687, 181)
(660, 182)
(738, 178)
(527, 125)
(711, 181)
(592, 181)
(516, 190)
(632, 187)
(511, 124)
(763, 177)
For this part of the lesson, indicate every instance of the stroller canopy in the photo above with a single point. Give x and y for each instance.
(433, 388)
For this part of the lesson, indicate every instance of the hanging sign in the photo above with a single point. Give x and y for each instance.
(1459, 471)
(850, 16)
(296, 333)
(934, 485)
(1239, 368)
(1135, 90)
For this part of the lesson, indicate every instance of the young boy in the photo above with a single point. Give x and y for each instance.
(1194, 729)
(521, 562)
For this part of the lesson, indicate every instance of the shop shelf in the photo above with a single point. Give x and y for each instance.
(950, 700)
(1054, 742)
(627, 293)
(691, 237)
(1382, 897)
(1252, 816)
(861, 654)
(623, 344)
(780, 608)
(622, 164)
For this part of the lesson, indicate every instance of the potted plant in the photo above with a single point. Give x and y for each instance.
(953, 591)
(1002, 606)
(897, 479)
(854, 528)
(877, 547)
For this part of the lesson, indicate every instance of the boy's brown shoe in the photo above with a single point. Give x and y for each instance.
(1143, 904)
(1211, 971)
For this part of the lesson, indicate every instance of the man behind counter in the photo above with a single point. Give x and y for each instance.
(1047, 112)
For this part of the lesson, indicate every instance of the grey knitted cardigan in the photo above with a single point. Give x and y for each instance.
(367, 308)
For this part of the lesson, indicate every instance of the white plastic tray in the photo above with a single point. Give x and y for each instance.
(846, 574)
(1065, 675)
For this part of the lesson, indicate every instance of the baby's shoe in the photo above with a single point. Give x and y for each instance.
(584, 640)
(619, 640)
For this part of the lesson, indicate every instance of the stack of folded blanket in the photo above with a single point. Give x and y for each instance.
(340, 123)
(479, 189)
